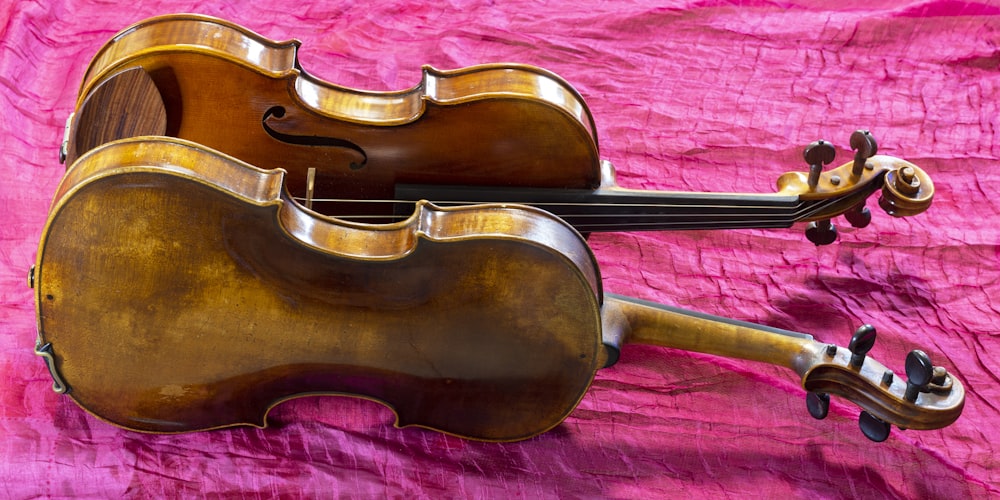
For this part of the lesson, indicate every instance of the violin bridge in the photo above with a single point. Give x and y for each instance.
(310, 186)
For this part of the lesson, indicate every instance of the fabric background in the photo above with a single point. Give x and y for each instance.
(687, 95)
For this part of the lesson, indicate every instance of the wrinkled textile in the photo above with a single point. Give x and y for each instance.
(693, 96)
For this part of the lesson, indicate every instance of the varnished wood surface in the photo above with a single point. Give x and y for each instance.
(199, 298)
(498, 127)
(472, 126)
(128, 105)
(821, 371)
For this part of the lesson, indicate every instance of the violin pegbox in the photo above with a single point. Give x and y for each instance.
(928, 391)
(906, 189)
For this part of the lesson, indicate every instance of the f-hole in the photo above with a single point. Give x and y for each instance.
(275, 113)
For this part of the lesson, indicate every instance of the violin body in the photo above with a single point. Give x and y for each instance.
(234, 91)
(199, 297)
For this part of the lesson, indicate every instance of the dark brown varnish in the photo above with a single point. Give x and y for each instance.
(199, 298)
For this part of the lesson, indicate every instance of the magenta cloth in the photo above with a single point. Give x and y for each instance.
(694, 96)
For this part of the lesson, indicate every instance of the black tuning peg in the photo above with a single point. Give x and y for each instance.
(919, 372)
(864, 145)
(859, 216)
(861, 342)
(816, 155)
(821, 232)
(873, 428)
(818, 404)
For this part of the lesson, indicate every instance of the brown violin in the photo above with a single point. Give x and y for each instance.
(493, 133)
(181, 289)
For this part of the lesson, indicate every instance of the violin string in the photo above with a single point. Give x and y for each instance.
(804, 210)
(544, 203)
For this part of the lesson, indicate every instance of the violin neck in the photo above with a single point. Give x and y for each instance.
(629, 320)
(616, 209)
(611, 208)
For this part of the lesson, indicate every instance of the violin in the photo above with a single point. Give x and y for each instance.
(192, 274)
(493, 133)
(181, 289)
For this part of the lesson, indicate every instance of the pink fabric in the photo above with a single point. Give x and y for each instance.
(689, 96)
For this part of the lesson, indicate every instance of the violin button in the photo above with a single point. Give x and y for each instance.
(818, 404)
(873, 428)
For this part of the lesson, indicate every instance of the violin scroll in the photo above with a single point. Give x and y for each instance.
(906, 189)
(929, 398)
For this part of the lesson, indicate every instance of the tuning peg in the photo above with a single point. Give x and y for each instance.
(816, 155)
(861, 342)
(821, 232)
(873, 428)
(818, 404)
(859, 216)
(865, 146)
(919, 373)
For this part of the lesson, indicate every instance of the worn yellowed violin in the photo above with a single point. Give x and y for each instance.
(492, 133)
(180, 287)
